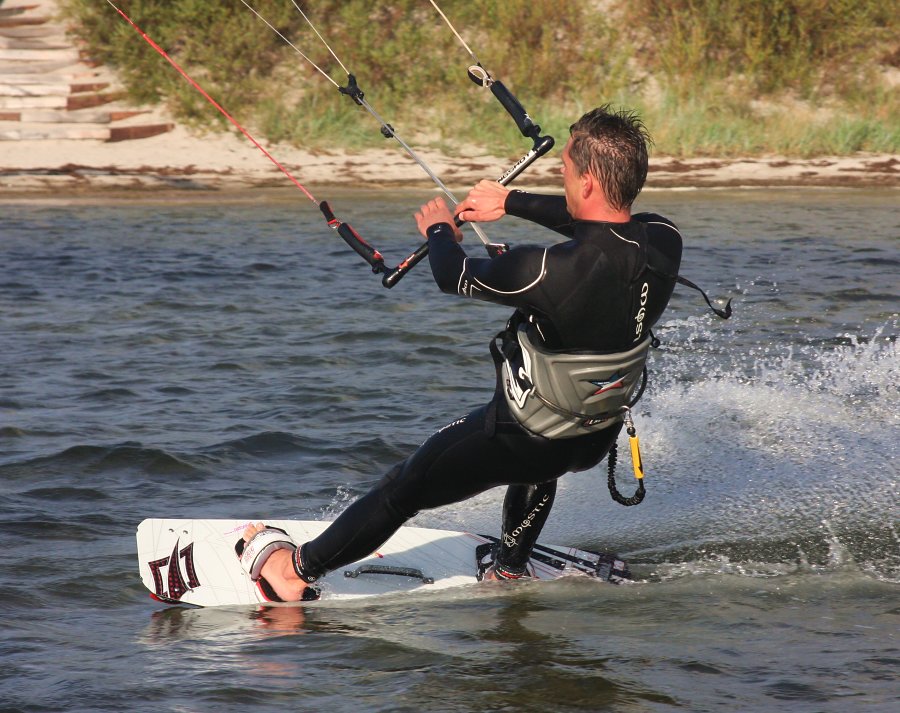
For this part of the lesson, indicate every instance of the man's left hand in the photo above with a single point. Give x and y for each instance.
(433, 212)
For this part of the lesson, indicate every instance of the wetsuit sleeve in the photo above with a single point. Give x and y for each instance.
(549, 211)
(507, 279)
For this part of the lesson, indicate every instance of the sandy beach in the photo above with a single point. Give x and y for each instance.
(49, 94)
(214, 162)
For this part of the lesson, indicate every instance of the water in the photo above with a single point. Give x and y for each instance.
(208, 358)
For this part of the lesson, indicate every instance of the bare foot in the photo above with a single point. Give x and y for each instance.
(278, 570)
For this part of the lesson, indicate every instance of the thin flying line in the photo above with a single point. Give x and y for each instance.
(212, 101)
(362, 102)
(453, 30)
(328, 47)
(291, 44)
(425, 167)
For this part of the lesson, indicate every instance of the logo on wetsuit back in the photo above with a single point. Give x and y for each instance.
(642, 312)
(451, 425)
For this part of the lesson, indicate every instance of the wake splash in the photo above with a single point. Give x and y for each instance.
(759, 461)
(873, 553)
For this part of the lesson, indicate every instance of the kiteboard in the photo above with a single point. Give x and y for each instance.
(195, 562)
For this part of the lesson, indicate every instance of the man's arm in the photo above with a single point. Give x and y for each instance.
(489, 201)
(547, 210)
(508, 279)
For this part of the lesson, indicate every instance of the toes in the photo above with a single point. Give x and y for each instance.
(252, 529)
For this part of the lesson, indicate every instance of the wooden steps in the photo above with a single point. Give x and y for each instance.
(16, 21)
(81, 116)
(29, 32)
(12, 43)
(50, 91)
(18, 131)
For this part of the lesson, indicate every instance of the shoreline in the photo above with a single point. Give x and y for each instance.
(181, 162)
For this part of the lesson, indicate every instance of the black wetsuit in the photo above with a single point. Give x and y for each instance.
(601, 291)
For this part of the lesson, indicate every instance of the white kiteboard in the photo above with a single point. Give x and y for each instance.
(196, 562)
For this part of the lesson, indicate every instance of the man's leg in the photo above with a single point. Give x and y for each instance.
(457, 462)
(461, 460)
(525, 510)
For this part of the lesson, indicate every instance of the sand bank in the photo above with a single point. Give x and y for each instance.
(181, 160)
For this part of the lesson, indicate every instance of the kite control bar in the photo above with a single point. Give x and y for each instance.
(540, 146)
(375, 259)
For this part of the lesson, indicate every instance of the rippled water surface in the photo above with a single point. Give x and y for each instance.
(177, 358)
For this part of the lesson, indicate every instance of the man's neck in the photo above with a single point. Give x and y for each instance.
(603, 214)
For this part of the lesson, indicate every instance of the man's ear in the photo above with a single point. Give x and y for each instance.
(588, 184)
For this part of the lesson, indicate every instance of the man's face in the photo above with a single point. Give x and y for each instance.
(571, 182)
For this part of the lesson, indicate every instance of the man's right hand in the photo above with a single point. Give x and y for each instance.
(486, 202)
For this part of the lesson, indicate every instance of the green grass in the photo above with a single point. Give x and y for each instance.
(710, 77)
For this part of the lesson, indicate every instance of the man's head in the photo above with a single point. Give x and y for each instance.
(611, 146)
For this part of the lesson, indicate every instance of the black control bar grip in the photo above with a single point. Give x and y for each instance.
(515, 109)
(354, 239)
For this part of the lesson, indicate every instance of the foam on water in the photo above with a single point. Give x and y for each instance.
(762, 461)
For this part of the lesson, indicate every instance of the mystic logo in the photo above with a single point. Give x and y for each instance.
(176, 582)
(642, 312)
(509, 539)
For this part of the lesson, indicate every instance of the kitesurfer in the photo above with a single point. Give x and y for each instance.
(571, 357)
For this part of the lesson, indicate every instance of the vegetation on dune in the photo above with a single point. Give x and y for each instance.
(710, 77)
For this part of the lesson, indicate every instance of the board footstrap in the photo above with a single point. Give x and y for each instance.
(255, 551)
(606, 566)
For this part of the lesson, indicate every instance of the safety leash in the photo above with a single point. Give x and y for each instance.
(636, 463)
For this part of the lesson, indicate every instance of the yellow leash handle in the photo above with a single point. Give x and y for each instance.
(635, 444)
(636, 462)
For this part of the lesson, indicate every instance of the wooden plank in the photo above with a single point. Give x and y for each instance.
(34, 67)
(49, 116)
(10, 116)
(19, 21)
(81, 87)
(68, 54)
(54, 133)
(33, 102)
(125, 114)
(9, 43)
(34, 90)
(32, 31)
(76, 75)
(14, 8)
(30, 4)
(127, 133)
(88, 101)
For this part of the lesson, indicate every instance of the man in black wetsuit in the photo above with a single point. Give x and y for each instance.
(583, 306)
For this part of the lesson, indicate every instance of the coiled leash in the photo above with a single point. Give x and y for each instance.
(636, 463)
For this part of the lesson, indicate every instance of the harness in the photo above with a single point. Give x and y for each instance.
(558, 394)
